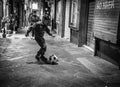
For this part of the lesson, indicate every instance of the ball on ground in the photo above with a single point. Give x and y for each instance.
(53, 59)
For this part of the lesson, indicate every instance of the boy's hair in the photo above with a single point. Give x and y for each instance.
(34, 11)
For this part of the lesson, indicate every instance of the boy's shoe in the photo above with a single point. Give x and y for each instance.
(37, 57)
(14, 32)
(44, 59)
(33, 38)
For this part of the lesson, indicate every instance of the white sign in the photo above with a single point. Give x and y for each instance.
(105, 4)
(35, 6)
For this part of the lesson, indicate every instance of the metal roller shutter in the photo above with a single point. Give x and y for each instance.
(106, 20)
(90, 34)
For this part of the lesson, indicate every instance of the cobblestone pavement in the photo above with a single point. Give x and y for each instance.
(77, 66)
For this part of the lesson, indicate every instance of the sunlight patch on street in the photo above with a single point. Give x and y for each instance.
(21, 57)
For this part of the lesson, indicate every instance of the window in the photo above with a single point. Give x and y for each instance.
(73, 13)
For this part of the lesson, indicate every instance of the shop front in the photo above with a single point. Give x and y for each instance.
(106, 29)
(74, 21)
(60, 17)
(90, 31)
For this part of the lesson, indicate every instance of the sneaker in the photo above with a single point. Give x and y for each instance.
(37, 58)
(33, 38)
(44, 59)
(14, 32)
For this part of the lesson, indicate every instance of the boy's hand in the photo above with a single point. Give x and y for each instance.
(53, 36)
(26, 35)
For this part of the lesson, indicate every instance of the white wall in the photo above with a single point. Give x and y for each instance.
(67, 29)
(5, 8)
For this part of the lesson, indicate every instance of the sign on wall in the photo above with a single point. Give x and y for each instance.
(105, 4)
(106, 19)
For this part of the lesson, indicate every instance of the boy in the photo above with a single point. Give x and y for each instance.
(39, 29)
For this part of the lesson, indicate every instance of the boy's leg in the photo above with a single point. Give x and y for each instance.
(41, 43)
(32, 32)
(42, 50)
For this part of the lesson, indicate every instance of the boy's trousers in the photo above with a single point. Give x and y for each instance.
(42, 44)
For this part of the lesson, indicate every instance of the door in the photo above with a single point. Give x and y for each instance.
(58, 18)
(90, 34)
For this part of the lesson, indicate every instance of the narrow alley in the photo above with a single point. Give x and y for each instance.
(59, 43)
(77, 67)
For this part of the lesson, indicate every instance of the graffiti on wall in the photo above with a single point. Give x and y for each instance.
(106, 20)
(105, 4)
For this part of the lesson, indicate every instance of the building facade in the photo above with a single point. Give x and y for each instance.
(90, 23)
(16, 8)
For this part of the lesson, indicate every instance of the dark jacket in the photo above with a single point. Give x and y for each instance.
(39, 29)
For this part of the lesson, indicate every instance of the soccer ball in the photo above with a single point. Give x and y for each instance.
(53, 59)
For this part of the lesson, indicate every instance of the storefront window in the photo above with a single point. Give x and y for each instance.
(73, 13)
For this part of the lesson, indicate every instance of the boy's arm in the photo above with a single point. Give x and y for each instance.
(29, 18)
(28, 31)
(48, 31)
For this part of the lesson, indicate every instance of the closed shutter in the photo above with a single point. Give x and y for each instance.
(106, 20)
(90, 35)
